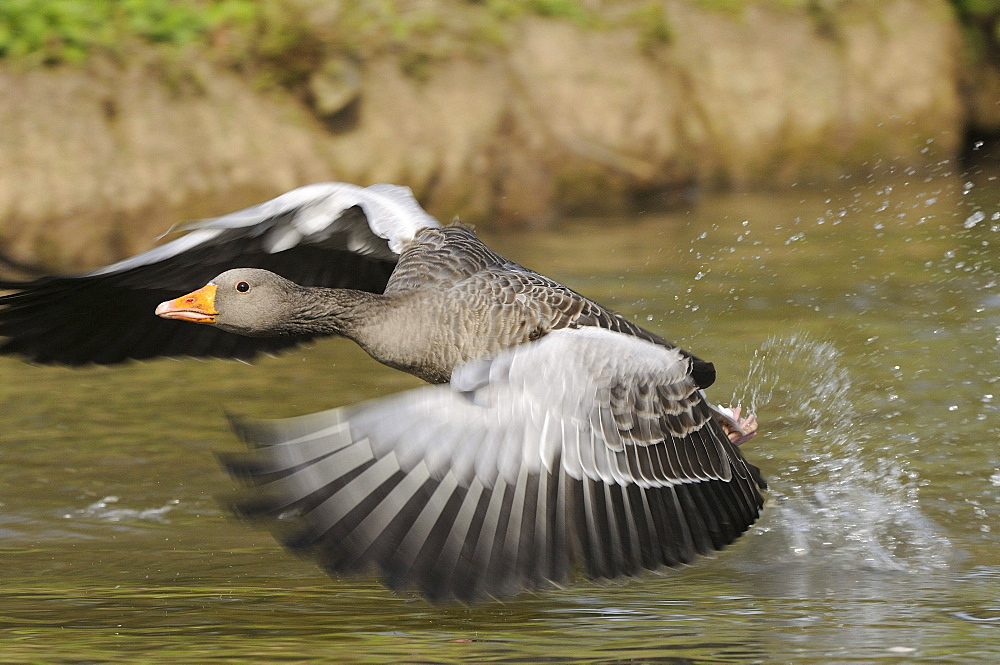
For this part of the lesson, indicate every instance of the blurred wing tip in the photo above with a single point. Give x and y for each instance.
(235, 420)
(235, 505)
(248, 430)
(240, 465)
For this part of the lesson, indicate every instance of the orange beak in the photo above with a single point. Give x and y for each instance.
(197, 306)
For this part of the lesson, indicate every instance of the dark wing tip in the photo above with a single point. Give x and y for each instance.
(245, 467)
(329, 492)
(758, 476)
(107, 317)
(703, 372)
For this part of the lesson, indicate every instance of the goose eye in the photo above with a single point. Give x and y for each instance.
(242, 287)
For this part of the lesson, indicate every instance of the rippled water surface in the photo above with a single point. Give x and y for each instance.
(862, 323)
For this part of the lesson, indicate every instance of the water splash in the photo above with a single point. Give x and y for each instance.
(840, 493)
(103, 510)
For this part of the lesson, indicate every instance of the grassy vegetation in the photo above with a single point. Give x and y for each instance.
(67, 31)
(49, 32)
(281, 39)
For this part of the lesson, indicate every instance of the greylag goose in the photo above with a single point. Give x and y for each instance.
(555, 432)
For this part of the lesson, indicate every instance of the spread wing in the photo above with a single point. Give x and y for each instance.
(586, 445)
(329, 234)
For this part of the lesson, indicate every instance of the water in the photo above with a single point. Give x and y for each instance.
(862, 323)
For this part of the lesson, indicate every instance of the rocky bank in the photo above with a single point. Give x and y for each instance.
(559, 119)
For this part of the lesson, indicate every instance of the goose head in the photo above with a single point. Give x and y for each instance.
(247, 301)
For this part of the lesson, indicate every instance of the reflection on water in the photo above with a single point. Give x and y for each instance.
(863, 324)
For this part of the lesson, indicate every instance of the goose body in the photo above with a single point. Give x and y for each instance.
(556, 431)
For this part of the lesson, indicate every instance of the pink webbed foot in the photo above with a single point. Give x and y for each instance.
(748, 425)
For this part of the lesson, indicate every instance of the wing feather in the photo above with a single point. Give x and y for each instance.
(498, 481)
(328, 234)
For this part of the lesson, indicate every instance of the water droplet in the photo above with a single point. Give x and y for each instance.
(974, 219)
